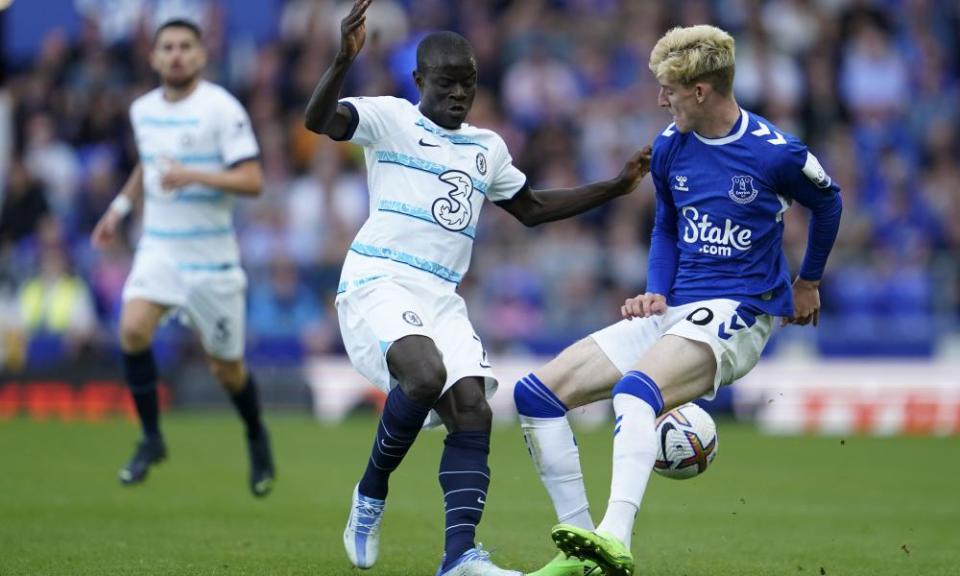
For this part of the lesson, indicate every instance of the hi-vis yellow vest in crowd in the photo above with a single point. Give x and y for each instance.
(55, 314)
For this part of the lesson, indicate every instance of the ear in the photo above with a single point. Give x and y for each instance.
(418, 80)
(702, 91)
(699, 91)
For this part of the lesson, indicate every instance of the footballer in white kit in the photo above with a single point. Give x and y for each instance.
(402, 321)
(188, 256)
(197, 153)
(427, 187)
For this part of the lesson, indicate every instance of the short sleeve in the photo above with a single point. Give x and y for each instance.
(236, 138)
(373, 118)
(507, 179)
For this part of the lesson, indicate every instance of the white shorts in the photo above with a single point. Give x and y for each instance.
(736, 335)
(378, 313)
(212, 301)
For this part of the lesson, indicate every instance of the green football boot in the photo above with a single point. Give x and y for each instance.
(563, 565)
(610, 554)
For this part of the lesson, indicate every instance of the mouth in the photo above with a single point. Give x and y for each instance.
(458, 109)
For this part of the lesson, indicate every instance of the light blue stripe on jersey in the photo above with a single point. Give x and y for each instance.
(191, 197)
(420, 214)
(343, 286)
(211, 267)
(438, 270)
(188, 233)
(423, 165)
(187, 158)
(168, 122)
(458, 139)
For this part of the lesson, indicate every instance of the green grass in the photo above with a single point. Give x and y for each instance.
(776, 506)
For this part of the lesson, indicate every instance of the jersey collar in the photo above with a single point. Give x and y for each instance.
(744, 122)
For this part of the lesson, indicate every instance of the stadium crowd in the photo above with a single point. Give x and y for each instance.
(871, 85)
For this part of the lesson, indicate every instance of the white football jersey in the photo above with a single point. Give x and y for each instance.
(427, 185)
(207, 130)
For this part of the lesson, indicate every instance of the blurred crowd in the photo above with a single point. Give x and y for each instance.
(872, 86)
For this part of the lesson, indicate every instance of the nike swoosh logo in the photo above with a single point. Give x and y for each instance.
(667, 427)
(427, 144)
(480, 500)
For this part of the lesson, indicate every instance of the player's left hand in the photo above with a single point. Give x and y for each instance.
(635, 169)
(175, 176)
(806, 303)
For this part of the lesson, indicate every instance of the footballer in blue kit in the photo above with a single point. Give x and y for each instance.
(717, 279)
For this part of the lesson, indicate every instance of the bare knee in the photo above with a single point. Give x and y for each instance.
(688, 375)
(464, 407)
(581, 374)
(230, 374)
(416, 364)
(138, 322)
(135, 336)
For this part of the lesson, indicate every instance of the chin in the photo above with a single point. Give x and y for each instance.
(453, 122)
(179, 82)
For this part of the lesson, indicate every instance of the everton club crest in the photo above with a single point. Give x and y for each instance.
(743, 191)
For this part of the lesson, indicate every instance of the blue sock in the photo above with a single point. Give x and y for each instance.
(464, 477)
(399, 425)
(638, 384)
(534, 399)
(247, 403)
(140, 370)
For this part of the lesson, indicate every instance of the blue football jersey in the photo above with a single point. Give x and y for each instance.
(718, 231)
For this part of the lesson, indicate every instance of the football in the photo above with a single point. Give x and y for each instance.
(688, 442)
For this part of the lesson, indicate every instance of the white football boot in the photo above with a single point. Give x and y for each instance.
(361, 537)
(475, 562)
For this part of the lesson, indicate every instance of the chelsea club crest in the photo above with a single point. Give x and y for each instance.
(742, 191)
(481, 164)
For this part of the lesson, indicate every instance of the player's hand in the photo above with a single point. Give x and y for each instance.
(806, 303)
(635, 169)
(353, 30)
(175, 176)
(105, 231)
(644, 305)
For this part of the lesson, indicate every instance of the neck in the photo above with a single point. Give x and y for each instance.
(175, 93)
(721, 121)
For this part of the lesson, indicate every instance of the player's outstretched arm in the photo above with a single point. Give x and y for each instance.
(533, 207)
(323, 114)
(106, 228)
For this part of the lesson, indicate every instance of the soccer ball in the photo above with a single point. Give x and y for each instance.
(688, 442)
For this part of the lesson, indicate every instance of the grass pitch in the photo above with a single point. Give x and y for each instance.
(768, 506)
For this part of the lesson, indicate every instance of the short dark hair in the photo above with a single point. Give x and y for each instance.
(179, 23)
(443, 42)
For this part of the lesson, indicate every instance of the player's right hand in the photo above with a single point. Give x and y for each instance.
(636, 168)
(644, 305)
(353, 30)
(106, 230)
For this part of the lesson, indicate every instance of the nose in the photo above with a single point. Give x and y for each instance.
(662, 99)
(458, 92)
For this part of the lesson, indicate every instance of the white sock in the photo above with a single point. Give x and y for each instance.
(634, 454)
(556, 457)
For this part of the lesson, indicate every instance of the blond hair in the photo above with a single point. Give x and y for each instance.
(692, 54)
